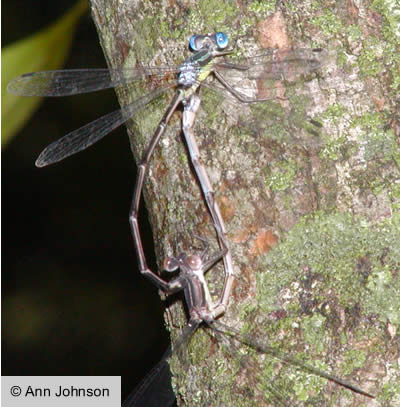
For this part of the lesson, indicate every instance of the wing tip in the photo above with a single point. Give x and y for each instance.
(41, 162)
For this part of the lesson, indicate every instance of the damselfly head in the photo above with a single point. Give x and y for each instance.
(193, 262)
(198, 42)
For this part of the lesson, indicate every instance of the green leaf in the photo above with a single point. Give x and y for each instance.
(44, 50)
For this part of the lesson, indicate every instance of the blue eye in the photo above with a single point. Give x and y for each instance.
(222, 40)
(192, 43)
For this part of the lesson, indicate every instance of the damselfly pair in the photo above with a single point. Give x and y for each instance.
(191, 74)
(195, 72)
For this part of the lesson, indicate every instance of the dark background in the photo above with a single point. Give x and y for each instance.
(73, 301)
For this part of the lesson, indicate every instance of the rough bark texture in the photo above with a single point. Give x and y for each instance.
(312, 212)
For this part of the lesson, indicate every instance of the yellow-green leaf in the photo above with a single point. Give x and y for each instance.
(44, 50)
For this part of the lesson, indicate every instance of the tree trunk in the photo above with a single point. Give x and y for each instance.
(308, 186)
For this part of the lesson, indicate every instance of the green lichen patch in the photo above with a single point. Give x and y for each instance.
(211, 16)
(262, 8)
(390, 9)
(332, 246)
(282, 176)
(328, 22)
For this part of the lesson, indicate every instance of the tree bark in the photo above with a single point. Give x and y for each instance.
(308, 188)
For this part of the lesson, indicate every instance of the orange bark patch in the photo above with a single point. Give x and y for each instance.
(241, 236)
(264, 241)
(227, 208)
(272, 32)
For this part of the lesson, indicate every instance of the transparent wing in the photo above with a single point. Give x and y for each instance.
(277, 64)
(91, 133)
(273, 118)
(76, 81)
(281, 394)
(155, 389)
(249, 390)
